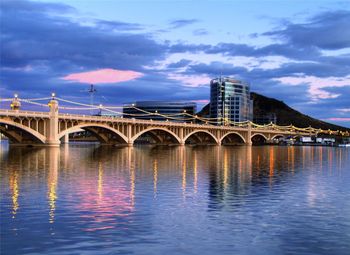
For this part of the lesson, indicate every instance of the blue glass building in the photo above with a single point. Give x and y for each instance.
(230, 100)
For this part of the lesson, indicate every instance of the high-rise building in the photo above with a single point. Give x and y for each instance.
(173, 109)
(230, 100)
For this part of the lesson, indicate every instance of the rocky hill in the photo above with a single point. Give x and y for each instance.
(285, 115)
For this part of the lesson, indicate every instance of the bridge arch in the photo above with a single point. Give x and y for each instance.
(233, 133)
(89, 127)
(34, 135)
(155, 129)
(258, 138)
(201, 131)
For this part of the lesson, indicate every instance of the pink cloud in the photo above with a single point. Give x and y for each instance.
(338, 119)
(201, 101)
(103, 76)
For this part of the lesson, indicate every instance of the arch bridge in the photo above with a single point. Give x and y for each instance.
(53, 128)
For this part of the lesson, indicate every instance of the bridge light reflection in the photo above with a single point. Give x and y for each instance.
(225, 169)
(14, 187)
(53, 160)
(271, 162)
(195, 172)
(100, 181)
(155, 177)
(184, 170)
(132, 176)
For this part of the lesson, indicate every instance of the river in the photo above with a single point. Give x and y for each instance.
(86, 199)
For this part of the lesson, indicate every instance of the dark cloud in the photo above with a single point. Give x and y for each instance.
(182, 22)
(234, 49)
(37, 39)
(29, 6)
(200, 32)
(193, 48)
(181, 63)
(39, 48)
(118, 25)
(216, 68)
(328, 30)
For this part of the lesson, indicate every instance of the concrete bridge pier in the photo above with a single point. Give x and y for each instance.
(249, 135)
(52, 139)
(65, 139)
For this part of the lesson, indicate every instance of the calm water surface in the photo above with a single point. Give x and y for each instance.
(85, 199)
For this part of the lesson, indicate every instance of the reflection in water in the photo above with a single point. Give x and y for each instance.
(132, 175)
(225, 169)
(195, 172)
(14, 186)
(155, 176)
(128, 200)
(184, 170)
(100, 180)
(53, 162)
(272, 161)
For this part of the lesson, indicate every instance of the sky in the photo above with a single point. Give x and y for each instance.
(295, 51)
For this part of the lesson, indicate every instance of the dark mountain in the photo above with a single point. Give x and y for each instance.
(285, 115)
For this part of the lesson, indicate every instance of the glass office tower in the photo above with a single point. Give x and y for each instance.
(230, 100)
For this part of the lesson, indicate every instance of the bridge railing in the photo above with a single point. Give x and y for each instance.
(4, 112)
(141, 121)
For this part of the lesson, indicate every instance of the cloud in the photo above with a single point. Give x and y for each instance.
(36, 38)
(216, 68)
(337, 119)
(103, 76)
(328, 30)
(181, 63)
(200, 32)
(344, 110)
(316, 85)
(117, 25)
(202, 101)
(182, 22)
(191, 80)
(30, 6)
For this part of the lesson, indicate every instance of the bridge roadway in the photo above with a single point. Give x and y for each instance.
(53, 128)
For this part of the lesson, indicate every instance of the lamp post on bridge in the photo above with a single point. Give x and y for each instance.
(15, 104)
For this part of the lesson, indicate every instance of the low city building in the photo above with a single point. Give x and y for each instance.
(264, 119)
(161, 110)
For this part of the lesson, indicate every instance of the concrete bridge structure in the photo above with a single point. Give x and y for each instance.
(53, 128)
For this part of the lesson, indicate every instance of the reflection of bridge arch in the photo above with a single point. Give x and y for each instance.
(91, 128)
(277, 136)
(232, 133)
(173, 135)
(201, 131)
(297, 136)
(15, 137)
